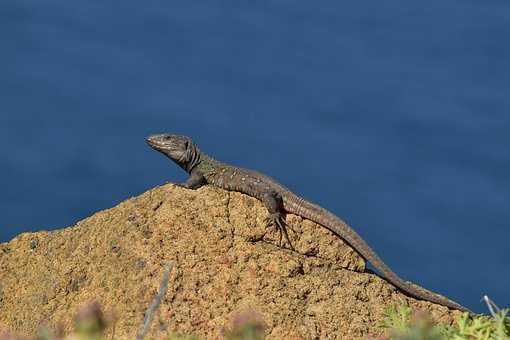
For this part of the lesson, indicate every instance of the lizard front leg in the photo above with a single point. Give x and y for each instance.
(194, 181)
(274, 204)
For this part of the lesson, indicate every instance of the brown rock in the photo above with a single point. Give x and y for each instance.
(224, 265)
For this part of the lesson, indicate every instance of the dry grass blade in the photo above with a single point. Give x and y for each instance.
(149, 314)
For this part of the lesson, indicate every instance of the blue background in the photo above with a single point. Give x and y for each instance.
(395, 115)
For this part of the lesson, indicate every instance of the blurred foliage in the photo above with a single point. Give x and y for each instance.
(246, 326)
(402, 324)
(176, 336)
(399, 322)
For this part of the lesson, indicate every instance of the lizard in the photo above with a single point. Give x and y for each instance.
(279, 201)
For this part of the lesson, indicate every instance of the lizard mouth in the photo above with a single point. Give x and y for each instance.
(154, 142)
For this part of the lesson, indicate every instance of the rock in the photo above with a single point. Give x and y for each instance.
(224, 266)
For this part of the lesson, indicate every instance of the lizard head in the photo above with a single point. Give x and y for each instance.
(180, 149)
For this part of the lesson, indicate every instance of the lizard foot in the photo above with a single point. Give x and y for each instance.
(181, 185)
(277, 220)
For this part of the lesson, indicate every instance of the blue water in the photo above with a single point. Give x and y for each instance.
(395, 115)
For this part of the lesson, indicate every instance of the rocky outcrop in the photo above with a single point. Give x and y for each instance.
(223, 265)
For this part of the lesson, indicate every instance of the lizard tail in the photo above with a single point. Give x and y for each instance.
(299, 206)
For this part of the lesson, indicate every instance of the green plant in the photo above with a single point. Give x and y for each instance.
(402, 324)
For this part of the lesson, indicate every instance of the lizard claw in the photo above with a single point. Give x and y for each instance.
(277, 220)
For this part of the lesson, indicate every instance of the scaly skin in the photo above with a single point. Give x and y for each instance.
(278, 200)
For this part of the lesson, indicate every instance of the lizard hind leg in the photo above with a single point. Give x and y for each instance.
(274, 204)
(277, 220)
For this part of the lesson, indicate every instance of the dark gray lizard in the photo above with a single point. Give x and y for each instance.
(278, 201)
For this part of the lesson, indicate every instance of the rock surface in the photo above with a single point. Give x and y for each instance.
(224, 265)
